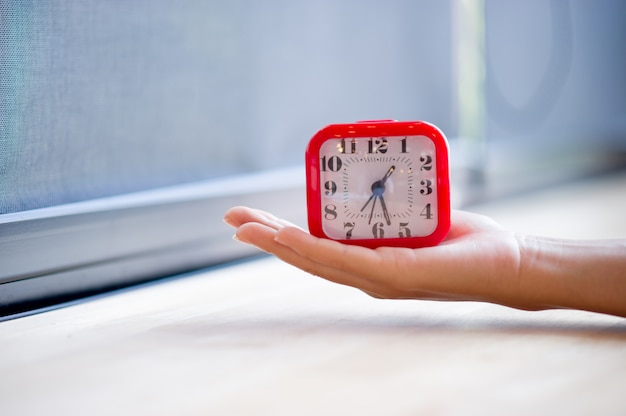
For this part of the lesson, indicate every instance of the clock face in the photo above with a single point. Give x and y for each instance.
(379, 183)
(378, 187)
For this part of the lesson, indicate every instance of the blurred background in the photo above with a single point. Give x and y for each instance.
(107, 98)
(190, 101)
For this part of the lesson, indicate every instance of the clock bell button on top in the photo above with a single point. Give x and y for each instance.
(379, 183)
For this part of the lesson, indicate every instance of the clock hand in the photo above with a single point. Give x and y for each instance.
(385, 212)
(368, 201)
(378, 188)
(387, 175)
(382, 190)
(372, 211)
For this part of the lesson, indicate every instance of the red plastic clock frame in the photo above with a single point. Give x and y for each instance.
(380, 128)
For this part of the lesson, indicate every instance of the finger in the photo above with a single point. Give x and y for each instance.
(381, 283)
(433, 271)
(263, 237)
(240, 215)
(377, 282)
(355, 260)
(327, 272)
(236, 216)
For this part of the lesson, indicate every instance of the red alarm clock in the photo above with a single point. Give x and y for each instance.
(379, 183)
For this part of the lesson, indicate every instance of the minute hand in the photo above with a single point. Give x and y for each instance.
(385, 212)
(382, 201)
(387, 175)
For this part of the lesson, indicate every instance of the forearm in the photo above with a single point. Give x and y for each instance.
(587, 275)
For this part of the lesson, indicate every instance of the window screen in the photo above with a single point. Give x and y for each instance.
(105, 98)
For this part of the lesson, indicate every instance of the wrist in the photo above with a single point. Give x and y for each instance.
(566, 274)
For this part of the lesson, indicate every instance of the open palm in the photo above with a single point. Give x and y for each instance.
(477, 261)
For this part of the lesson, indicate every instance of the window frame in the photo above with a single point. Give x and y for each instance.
(62, 253)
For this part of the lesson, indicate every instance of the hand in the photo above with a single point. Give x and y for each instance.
(466, 266)
(478, 261)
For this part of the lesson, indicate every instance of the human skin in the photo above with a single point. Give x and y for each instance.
(478, 261)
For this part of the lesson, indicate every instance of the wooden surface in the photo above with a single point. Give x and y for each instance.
(264, 338)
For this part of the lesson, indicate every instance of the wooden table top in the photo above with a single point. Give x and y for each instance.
(261, 337)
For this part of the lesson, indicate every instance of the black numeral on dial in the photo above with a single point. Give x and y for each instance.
(378, 231)
(330, 187)
(349, 227)
(404, 230)
(347, 146)
(333, 163)
(427, 213)
(330, 212)
(427, 187)
(427, 162)
(377, 145)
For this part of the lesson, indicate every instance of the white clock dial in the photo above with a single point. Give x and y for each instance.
(381, 187)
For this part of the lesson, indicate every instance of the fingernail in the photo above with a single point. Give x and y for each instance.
(239, 240)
